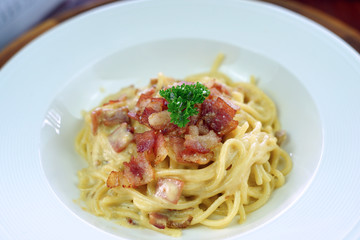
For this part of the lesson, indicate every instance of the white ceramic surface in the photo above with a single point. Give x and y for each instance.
(312, 75)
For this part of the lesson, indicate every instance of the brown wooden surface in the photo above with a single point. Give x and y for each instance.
(349, 34)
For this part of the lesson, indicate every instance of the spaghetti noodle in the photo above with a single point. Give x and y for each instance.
(145, 171)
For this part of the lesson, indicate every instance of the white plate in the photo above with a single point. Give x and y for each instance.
(313, 76)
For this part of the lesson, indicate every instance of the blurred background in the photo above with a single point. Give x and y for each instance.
(19, 16)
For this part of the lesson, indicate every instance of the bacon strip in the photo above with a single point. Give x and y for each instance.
(161, 221)
(186, 155)
(112, 117)
(200, 144)
(177, 146)
(120, 138)
(145, 98)
(159, 120)
(113, 179)
(160, 149)
(169, 189)
(108, 117)
(95, 115)
(218, 116)
(116, 179)
(158, 220)
(145, 141)
(177, 225)
(146, 106)
(189, 156)
(217, 89)
(138, 171)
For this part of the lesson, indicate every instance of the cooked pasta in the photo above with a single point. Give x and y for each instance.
(145, 171)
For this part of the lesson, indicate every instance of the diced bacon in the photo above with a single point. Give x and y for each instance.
(95, 115)
(214, 94)
(113, 179)
(177, 145)
(200, 144)
(145, 98)
(173, 130)
(108, 117)
(116, 179)
(152, 105)
(157, 104)
(194, 145)
(161, 221)
(145, 141)
(120, 138)
(177, 225)
(189, 156)
(133, 115)
(169, 189)
(217, 89)
(160, 149)
(203, 128)
(112, 117)
(231, 103)
(186, 156)
(159, 120)
(158, 220)
(194, 119)
(138, 171)
(218, 116)
(221, 88)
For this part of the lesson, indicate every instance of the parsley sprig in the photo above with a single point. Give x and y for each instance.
(182, 99)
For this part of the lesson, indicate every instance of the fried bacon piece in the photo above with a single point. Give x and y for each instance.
(161, 221)
(116, 179)
(200, 144)
(137, 172)
(160, 149)
(218, 116)
(145, 144)
(120, 138)
(186, 155)
(95, 120)
(217, 89)
(146, 106)
(189, 156)
(155, 105)
(152, 145)
(112, 117)
(169, 189)
(158, 220)
(108, 117)
(203, 128)
(144, 99)
(177, 146)
(177, 225)
(145, 141)
(159, 120)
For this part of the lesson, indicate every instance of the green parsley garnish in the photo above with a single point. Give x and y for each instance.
(182, 100)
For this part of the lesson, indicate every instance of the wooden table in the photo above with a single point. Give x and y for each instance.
(346, 32)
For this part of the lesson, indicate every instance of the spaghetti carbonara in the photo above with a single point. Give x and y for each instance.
(146, 171)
